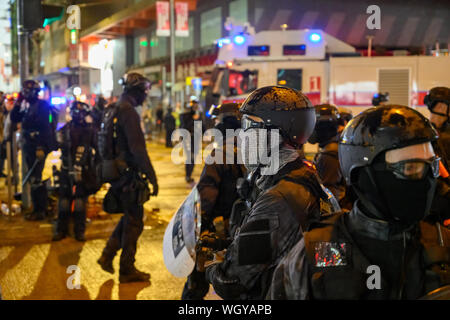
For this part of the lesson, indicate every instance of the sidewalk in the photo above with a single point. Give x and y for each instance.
(157, 211)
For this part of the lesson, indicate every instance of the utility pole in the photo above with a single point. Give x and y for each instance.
(23, 73)
(172, 53)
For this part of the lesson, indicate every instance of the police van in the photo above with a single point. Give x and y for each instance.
(324, 68)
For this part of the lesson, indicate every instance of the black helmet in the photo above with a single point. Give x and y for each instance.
(30, 89)
(282, 108)
(327, 123)
(380, 97)
(435, 95)
(345, 115)
(225, 110)
(381, 129)
(79, 111)
(135, 80)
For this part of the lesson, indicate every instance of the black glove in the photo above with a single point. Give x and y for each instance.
(225, 287)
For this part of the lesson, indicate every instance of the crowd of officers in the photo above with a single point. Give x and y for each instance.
(377, 192)
(376, 195)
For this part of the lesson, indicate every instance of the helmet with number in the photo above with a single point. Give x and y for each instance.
(135, 81)
(30, 89)
(380, 129)
(281, 108)
(79, 111)
(327, 123)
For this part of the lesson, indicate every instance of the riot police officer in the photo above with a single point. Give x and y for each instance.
(217, 189)
(284, 192)
(380, 99)
(187, 122)
(438, 102)
(38, 139)
(326, 160)
(126, 165)
(384, 248)
(77, 177)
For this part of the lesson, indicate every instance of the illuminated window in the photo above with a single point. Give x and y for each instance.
(258, 50)
(239, 11)
(210, 26)
(186, 43)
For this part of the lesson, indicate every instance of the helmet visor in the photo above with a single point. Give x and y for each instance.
(249, 122)
(414, 169)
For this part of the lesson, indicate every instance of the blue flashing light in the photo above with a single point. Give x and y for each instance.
(315, 37)
(239, 40)
(58, 100)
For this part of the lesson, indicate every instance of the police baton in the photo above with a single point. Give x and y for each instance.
(28, 175)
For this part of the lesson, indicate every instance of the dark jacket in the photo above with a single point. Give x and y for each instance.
(332, 260)
(80, 144)
(273, 225)
(329, 170)
(217, 184)
(130, 138)
(37, 124)
(169, 122)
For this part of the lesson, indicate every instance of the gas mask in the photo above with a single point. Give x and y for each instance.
(259, 145)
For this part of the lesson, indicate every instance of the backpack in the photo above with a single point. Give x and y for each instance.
(107, 144)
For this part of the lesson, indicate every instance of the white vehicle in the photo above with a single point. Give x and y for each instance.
(324, 68)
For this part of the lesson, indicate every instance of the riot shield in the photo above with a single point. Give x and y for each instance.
(181, 236)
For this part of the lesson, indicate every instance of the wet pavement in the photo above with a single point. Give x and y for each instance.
(38, 268)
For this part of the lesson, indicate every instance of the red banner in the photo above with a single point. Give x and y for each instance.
(182, 25)
(162, 19)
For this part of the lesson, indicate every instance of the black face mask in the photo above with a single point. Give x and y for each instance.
(138, 95)
(403, 202)
(79, 117)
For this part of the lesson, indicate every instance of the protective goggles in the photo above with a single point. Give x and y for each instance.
(251, 122)
(414, 169)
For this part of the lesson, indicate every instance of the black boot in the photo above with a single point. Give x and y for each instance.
(81, 237)
(106, 263)
(58, 236)
(133, 275)
(35, 216)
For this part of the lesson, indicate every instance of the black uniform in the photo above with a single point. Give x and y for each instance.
(187, 122)
(77, 178)
(281, 204)
(133, 153)
(388, 228)
(217, 189)
(37, 134)
(412, 263)
(169, 125)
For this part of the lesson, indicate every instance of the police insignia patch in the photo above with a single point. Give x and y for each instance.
(330, 254)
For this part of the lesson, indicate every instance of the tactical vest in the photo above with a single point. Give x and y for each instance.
(339, 270)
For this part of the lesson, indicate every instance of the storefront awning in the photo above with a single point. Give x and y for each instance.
(126, 21)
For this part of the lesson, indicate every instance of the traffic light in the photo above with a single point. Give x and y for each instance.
(35, 15)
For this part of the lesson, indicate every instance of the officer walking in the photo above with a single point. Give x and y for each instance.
(386, 154)
(127, 166)
(326, 160)
(77, 178)
(38, 139)
(217, 188)
(284, 199)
